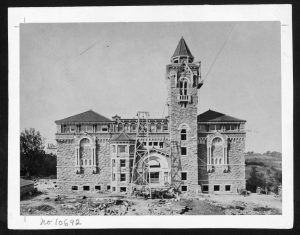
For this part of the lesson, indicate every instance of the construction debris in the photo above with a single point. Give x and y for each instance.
(162, 202)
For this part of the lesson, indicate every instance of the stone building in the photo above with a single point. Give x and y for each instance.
(187, 151)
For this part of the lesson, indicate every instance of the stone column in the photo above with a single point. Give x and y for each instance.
(224, 156)
(225, 153)
(77, 163)
(93, 156)
(208, 160)
(209, 151)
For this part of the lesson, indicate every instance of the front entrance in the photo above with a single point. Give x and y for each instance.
(156, 170)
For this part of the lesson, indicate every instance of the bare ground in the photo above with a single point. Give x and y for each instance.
(49, 201)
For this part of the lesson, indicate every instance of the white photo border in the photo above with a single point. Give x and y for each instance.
(282, 13)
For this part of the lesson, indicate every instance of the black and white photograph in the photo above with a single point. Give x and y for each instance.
(170, 118)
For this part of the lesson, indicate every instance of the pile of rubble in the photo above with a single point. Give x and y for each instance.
(242, 208)
(85, 206)
(167, 207)
(44, 185)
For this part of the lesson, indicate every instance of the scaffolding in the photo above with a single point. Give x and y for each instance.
(176, 167)
(140, 173)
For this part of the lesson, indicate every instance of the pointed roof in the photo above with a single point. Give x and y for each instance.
(88, 116)
(213, 116)
(182, 49)
(122, 137)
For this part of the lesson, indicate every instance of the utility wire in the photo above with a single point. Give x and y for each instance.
(219, 52)
(164, 110)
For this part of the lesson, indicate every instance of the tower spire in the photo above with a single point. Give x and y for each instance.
(182, 52)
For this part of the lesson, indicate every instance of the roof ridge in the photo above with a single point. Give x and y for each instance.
(214, 116)
(87, 116)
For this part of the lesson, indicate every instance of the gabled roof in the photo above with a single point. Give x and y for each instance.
(88, 116)
(182, 49)
(213, 116)
(122, 137)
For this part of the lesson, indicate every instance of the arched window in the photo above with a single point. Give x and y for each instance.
(85, 151)
(217, 151)
(126, 127)
(158, 127)
(183, 87)
(152, 127)
(120, 127)
(183, 134)
(154, 164)
(133, 127)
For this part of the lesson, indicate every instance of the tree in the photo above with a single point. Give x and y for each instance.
(255, 180)
(31, 146)
(34, 160)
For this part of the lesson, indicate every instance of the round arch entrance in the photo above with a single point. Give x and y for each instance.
(157, 170)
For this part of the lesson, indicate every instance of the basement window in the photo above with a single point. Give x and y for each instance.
(183, 151)
(227, 188)
(183, 188)
(74, 187)
(122, 189)
(216, 188)
(205, 188)
(97, 187)
(86, 188)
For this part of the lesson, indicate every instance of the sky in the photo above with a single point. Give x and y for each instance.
(120, 68)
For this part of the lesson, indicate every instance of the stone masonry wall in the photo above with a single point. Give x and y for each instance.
(179, 115)
(66, 169)
(236, 162)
